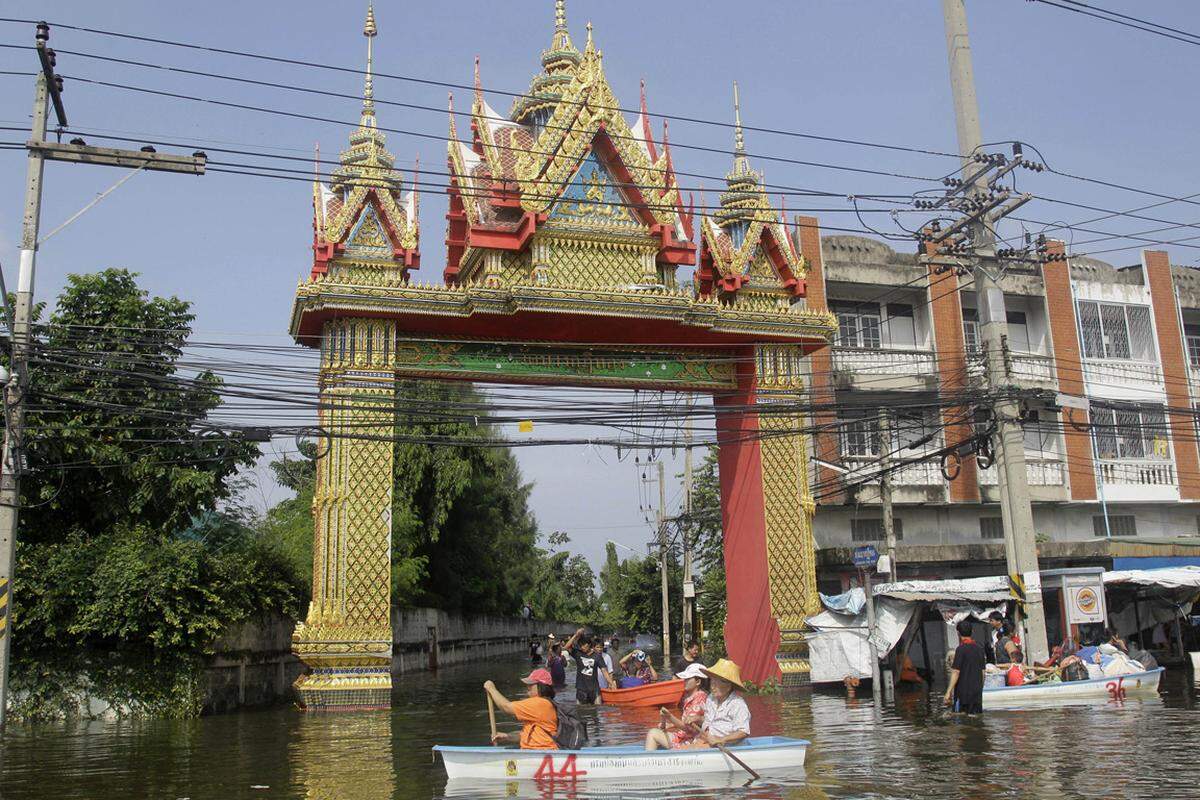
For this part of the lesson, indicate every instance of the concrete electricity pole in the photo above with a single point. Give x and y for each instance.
(885, 490)
(662, 564)
(1014, 486)
(689, 585)
(47, 90)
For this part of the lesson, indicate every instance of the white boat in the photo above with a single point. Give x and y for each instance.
(762, 753)
(1116, 688)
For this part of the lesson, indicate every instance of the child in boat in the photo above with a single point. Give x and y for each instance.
(669, 736)
(641, 671)
(536, 711)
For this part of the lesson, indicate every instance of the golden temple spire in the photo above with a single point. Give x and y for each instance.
(590, 46)
(562, 37)
(369, 31)
(739, 139)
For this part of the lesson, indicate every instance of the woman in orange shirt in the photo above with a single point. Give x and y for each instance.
(536, 711)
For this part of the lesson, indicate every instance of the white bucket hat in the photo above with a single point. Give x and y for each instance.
(694, 670)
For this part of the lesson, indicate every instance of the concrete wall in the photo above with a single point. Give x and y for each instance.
(253, 664)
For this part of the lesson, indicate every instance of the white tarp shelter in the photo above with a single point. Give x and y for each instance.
(838, 641)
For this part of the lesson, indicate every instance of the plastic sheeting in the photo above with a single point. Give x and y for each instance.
(838, 646)
(986, 589)
(851, 602)
(1167, 577)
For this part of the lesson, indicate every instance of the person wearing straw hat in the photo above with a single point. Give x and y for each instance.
(536, 711)
(670, 736)
(726, 715)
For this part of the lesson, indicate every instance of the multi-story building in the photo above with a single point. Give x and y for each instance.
(1110, 359)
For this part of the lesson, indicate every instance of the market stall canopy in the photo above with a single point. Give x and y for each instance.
(1167, 577)
(990, 588)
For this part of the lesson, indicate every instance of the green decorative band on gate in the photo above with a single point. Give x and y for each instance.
(500, 362)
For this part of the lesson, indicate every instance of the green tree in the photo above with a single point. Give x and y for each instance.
(122, 544)
(116, 434)
(462, 533)
(705, 531)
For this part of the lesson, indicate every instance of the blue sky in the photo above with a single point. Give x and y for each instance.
(1095, 98)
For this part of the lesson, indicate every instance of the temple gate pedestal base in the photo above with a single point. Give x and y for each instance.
(345, 674)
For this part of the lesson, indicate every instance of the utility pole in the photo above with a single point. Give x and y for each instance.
(662, 564)
(48, 88)
(1013, 480)
(885, 491)
(689, 585)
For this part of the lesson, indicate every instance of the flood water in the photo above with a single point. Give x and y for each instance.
(911, 749)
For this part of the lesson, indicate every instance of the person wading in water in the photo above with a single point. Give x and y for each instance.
(965, 692)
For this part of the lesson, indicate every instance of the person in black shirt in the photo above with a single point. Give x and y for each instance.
(965, 691)
(691, 655)
(587, 662)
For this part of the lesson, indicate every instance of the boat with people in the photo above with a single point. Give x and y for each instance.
(1112, 688)
(761, 753)
(661, 693)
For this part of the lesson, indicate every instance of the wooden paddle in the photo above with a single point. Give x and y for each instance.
(689, 726)
(492, 714)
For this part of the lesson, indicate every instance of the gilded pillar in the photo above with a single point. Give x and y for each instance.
(787, 504)
(346, 638)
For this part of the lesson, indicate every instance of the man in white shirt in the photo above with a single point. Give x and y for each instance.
(726, 715)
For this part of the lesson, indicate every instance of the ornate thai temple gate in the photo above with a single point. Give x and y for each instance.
(564, 234)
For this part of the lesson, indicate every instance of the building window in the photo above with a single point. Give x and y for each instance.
(1041, 434)
(913, 431)
(901, 325)
(858, 325)
(1116, 331)
(871, 530)
(1018, 332)
(971, 331)
(1131, 433)
(1191, 335)
(1118, 524)
(991, 527)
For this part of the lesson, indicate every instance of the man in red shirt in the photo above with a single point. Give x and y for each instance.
(965, 691)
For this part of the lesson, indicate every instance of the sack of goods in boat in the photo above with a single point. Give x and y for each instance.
(761, 753)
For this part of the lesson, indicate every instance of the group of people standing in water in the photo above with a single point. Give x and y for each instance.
(711, 713)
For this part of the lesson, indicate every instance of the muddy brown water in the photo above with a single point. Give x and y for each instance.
(911, 749)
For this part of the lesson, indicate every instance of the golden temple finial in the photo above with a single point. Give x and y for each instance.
(369, 31)
(562, 37)
(450, 108)
(739, 139)
(478, 80)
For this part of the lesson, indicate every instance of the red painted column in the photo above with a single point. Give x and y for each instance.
(751, 633)
(1175, 370)
(945, 308)
(1068, 364)
(825, 442)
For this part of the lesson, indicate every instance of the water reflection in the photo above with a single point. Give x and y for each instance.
(1142, 748)
(339, 756)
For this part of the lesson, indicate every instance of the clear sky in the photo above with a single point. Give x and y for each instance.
(1096, 99)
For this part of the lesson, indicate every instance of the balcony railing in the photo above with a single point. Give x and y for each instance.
(922, 473)
(1025, 366)
(883, 361)
(1119, 373)
(1138, 472)
(1039, 472)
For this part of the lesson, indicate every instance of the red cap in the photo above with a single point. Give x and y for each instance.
(541, 676)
